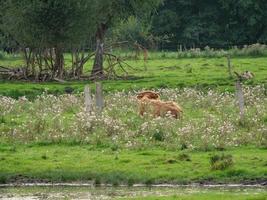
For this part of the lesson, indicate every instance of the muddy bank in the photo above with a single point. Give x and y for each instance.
(248, 184)
(88, 191)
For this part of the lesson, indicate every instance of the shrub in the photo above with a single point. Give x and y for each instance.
(184, 157)
(158, 136)
(247, 50)
(254, 50)
(221, 162)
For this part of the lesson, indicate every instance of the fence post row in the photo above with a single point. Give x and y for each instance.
(240, 99)
(99, 97)
(87, 99)
(229, 66)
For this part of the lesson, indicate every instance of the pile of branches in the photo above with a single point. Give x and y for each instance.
(9, 73)
(40, 65)
(117, 67)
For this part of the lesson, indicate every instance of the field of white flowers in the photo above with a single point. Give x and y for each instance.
(210, 120)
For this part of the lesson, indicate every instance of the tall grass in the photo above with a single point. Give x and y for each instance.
(254, 50)
(207, 52)
(210, 121)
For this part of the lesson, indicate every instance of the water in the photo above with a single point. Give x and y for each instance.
(81, 192)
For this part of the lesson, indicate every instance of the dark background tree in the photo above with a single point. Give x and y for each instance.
(48, 28)
(219, 23)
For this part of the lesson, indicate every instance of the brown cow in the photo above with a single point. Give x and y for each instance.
(149, 102)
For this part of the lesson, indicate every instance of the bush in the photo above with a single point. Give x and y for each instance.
(221, 162)
(158, 136)
(247, 50)
(255, 50)
(184, 157)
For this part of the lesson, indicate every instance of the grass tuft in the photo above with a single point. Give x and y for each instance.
(221, 162)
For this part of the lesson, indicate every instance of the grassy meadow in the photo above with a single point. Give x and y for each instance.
(207, 196)
(164, 70)
(46, 135)
(66, 163)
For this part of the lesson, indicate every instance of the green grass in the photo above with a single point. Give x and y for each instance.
(162, 73)
(65, 162)
(83, 162)
(207, 196)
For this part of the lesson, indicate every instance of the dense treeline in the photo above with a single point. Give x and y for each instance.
(44, 30)
(216, 23)
(191, 23)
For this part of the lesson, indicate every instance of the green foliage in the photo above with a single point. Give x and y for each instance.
(114, 10)
(55, 22)
(47, 23)
(126, 20)
(220, 23)
(68, 23)
(132, 30)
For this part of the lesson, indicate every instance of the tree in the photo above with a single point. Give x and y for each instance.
(191, 23)
(243, 21)
(220, 23)
(48, 24)
(131, 31)
(110, 12)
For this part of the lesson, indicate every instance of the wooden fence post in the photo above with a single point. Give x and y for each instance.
(229, 66)
(87, 99)
(240, 99)
(99, 97)
(240, 96)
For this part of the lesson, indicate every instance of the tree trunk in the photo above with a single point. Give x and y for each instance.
(27, 57)
(80, 65)
(98, 70)
(59, 62)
